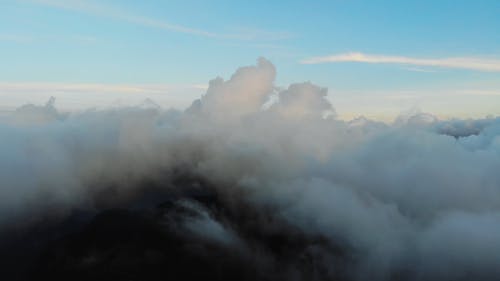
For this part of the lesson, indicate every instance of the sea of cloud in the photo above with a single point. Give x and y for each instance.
(417, 199)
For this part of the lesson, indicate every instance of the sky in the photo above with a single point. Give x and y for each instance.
(377, 58)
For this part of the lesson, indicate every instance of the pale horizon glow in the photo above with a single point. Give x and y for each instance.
(382, 106)
(97, 87)
(82, 96)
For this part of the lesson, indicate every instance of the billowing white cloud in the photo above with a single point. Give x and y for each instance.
(247, 90)
(471, 63)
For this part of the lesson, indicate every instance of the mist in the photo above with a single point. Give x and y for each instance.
(253, 181)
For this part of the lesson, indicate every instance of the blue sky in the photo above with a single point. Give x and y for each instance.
(378, 58)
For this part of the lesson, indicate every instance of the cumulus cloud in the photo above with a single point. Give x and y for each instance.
(237, 188)
(246, 92)
(470, 63)
(304, 99)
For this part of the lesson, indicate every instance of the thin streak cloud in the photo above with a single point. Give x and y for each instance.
(418, 69)
(107, 11)
(470, 63)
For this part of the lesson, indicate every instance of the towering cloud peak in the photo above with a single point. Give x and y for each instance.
(245, 92)
(251, 87)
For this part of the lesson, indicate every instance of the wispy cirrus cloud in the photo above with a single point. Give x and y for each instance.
(470, 63)
(16, 38)
(107, 11)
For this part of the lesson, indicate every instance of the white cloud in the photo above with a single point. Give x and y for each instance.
(471, 63)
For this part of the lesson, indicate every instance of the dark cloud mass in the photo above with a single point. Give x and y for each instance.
(252, 182)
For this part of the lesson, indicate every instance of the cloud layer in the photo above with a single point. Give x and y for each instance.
(251, 182)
